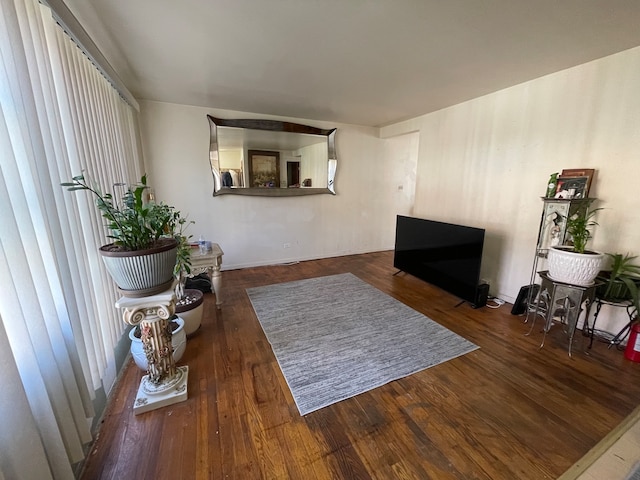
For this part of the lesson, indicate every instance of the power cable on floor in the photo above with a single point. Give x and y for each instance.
(497, 302)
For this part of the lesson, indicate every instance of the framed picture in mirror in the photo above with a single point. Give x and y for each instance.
(264, 169)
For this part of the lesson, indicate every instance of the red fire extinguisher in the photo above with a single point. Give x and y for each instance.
(632, 352)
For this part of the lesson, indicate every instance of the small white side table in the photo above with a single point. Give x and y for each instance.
(209, 263)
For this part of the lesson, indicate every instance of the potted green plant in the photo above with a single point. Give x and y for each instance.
(148, 242)
(579, 228)
(573, 263)
(621, 282)
(182, 267)
(189, 302)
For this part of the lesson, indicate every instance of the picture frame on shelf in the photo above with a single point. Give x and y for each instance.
(572, 187)
(581, 172)
(553, 225)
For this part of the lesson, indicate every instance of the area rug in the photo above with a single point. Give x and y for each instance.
(337, 336)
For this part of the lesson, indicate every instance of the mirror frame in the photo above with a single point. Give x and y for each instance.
(274, 126)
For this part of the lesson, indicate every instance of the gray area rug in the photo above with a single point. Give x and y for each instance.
(635, 473)
(337, 336)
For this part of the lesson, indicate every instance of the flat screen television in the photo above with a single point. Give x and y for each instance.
(443, 254)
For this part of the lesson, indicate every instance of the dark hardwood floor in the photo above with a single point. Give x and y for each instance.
(505, 411)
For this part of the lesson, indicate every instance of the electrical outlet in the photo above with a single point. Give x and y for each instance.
(286, 245)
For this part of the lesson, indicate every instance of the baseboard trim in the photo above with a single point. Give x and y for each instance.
(601, 447)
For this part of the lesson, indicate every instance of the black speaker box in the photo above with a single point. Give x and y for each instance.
(520, 306)
(482, 295)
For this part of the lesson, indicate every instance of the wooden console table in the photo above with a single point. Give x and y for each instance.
(209, 263)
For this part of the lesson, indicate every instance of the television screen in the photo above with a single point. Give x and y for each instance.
(443, 254)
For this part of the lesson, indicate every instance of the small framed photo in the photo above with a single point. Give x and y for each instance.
(553, 226)
(581, 172)
(572, 187)
(264, 169)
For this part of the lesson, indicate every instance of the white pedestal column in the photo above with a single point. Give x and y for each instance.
(164, 384)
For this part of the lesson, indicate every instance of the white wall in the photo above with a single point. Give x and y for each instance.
(482, 163)
(252, 230)
(486, 162)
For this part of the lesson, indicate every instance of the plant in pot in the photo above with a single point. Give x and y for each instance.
(146, 238)
(177, 324)
(189, 302)
(622, 281)
(573, 263)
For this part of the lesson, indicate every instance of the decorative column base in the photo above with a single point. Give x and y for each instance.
(164, 384)
(149, 398)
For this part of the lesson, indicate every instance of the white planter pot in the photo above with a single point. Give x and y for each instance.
(178, 342)
(574, 268)
(191, 312)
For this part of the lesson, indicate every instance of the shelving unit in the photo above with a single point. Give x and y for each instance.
(552, 231)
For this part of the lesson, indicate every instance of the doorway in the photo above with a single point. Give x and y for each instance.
(293, 174)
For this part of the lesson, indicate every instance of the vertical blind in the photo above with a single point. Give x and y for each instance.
(59, 117)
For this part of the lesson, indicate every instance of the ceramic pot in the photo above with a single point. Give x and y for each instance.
(190, 309)
(141, 273)
(178, 342)
(574, 268)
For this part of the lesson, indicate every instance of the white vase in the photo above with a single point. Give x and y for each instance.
(178, 342)
(574, 268)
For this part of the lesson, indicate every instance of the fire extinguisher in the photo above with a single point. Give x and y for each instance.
(632, 352)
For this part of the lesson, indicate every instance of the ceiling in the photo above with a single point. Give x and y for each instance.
(363, 62)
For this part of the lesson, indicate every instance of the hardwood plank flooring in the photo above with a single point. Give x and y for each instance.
(615, 457)
(508, 410)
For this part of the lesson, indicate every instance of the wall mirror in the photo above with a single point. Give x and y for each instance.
(271, 158)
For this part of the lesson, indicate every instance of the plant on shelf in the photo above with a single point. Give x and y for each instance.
(135, 224)
(622, 281)
(573, 263)
(579, 226)
(149, 245)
